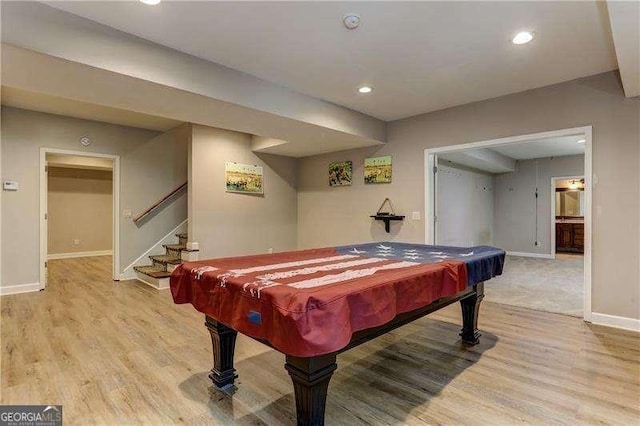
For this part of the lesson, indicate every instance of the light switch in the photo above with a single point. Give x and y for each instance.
(10, 185)
(126, 213)
(415, 215)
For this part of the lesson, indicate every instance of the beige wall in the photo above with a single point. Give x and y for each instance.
(515, 211)
(465, 206)
(150, 171)
(228, 224)
(80, 207)
(334, 216)
(151, 164)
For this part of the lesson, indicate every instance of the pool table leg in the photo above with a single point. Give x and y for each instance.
(223, 340)
(470, 308)
(310, 378)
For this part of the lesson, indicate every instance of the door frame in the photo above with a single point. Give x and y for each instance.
(43, 207)
(587, 131)
(553, 209)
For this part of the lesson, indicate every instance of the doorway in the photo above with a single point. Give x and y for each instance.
(539, 235)
(79, 204)
(567, 216)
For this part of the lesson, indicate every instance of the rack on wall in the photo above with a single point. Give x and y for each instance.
(386, 217)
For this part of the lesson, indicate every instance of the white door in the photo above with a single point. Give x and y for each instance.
(434, 179)
(46, 224)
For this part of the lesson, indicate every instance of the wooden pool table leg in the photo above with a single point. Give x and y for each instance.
(470, 308)
(310, 378)
(223, 340)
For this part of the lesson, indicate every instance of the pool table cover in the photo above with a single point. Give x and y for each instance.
(310, 302)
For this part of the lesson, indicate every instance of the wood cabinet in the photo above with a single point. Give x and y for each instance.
(570, 237)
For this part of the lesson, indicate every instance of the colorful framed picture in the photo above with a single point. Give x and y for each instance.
(340, 173)
(377, 169)
(243, 178)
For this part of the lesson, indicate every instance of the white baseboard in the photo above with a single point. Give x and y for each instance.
(537, 255)
(157, 283)
(20, 288)
(128, 273)
(624, 323)
(79, 254)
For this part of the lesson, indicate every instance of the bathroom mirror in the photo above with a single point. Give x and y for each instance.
(570, 203)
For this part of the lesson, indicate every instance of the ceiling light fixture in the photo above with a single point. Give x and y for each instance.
(582, 141)
(574, 185)
(522, 37)
(150, 2)
(365, 89)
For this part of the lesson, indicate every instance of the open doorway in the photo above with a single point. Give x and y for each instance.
(567, 217)
(79, 204)
(497, 192)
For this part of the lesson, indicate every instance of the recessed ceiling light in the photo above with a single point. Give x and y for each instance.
(522, 37)
(582, 141)
(365, 89)
(150, 2)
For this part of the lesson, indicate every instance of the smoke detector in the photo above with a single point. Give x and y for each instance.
(351, 21)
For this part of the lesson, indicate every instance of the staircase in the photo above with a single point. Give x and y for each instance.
(162, 265)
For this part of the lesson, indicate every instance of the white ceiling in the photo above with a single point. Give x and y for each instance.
(542, 148)
(56, 105)
(79, 162)
(418, 56)
(480, 159)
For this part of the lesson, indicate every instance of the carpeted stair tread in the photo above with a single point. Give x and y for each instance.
(153, 271)
(175, 246)
(166, 259)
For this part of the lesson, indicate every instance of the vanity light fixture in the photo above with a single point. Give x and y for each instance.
(365, 89)
(574, 184)
(522, 37)
(151, 2)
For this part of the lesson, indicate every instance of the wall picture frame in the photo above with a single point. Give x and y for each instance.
(243, 178)
(340, 173)
(377, 170)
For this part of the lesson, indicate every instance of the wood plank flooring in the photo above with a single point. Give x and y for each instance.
(123, 353)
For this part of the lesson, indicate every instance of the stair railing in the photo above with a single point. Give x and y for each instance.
(146, 214)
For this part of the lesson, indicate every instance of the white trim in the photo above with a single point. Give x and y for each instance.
(536, 255)
(20, 288)
(43, 203)
(624, 323)
(79, 254)
(588, 176)
(129, 273)
(552, 238)
(588, 220)
(157, 283)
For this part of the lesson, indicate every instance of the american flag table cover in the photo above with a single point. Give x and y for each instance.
(310, 302)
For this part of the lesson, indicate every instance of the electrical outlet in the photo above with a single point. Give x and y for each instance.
(415, 215)
(270, 250)
(126, 213)
(76, 242)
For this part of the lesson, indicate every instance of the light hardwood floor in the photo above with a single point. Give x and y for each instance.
(123, 353)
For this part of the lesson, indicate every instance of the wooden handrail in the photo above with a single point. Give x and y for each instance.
(158, 203)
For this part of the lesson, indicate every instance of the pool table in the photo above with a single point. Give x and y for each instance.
(312, 305)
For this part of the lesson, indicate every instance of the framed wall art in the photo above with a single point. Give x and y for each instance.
(377, 169)
(340, 173)
(243, 178)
